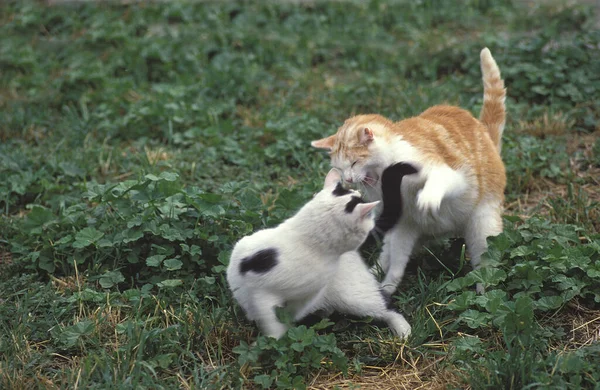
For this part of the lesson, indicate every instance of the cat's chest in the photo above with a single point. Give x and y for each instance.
(449, 219)
(441, 223)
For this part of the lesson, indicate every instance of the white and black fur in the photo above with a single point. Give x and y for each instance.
(391, 183)
(310, 262)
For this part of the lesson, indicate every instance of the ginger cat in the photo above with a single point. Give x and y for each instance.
(460, 185)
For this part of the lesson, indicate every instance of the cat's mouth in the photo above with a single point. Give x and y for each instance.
(370, 179)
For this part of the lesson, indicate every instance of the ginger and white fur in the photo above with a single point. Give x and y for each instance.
(460, 187)
(317, 268)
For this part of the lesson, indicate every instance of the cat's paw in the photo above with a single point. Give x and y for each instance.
(400, 326)
(429, 200)
(404, 331)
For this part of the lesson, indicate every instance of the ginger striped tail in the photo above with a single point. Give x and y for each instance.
(493, 113)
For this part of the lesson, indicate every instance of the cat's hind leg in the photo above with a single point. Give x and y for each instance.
(313, 304)
(264, 304)
(246, 301)
(486, 221)
(401, 242)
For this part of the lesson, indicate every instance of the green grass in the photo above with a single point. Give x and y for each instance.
(140, 142)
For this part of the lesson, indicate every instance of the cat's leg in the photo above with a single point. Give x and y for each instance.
(442, 181)
(264, 304)
(354, 290)
(245, 300)
(397, 323)
(383, 262)
(373, 304)
(402, 241)
(313, 304)
(486, 221)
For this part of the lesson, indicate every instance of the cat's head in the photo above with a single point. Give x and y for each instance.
(345, 210)
(355, 148)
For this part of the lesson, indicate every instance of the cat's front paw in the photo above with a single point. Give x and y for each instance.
(429, 200)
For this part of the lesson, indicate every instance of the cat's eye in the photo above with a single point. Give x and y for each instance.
(353, 164)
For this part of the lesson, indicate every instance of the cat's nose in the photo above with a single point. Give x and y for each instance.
(349, 179)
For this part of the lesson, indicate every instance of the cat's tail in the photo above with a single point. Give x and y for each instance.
(493, 113)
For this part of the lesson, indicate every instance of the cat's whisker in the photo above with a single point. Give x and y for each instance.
(369, 183)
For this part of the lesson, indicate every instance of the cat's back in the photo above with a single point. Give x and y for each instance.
(449, 132)
(459, 126)
(279, 261)
(268, 247)
(451, 135)
(452, 118)
(257, 245)
(250, 244)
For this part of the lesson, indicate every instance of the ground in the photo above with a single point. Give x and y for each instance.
(139, 141)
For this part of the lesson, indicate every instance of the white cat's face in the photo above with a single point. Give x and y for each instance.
(345, 207)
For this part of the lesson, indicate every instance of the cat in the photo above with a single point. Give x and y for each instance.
(310, 262)
(391, 183)
(354, 290)
(460, 186)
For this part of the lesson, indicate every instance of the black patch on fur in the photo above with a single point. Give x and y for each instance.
(340, 190)
(391, 181)
(350, 206)
(260, 262)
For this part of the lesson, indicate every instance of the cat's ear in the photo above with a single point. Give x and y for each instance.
(366, 136)
(324, 143)
(365, 208)
(332, 178)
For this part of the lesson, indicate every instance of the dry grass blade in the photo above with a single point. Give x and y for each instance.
(427, 374)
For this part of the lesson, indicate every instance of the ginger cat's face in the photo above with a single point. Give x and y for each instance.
(353, 149)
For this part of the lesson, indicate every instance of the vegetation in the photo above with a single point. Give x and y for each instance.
(139, 142)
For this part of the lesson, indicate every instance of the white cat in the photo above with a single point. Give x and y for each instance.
(310, 262)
